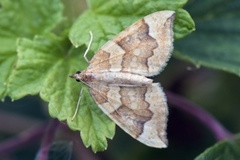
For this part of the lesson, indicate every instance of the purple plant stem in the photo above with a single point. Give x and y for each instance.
(79, 150)
(204, 117)
(22, 139)
(47, 139)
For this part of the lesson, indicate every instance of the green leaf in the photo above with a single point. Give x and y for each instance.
(106, 22)
(6, 64)
(183, 24)
(215, 43)
(137, 7)
(31, 67)
(228, 149)
(23, 18)
(43, 67)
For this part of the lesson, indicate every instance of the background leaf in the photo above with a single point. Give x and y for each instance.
(228, 149)
(40, 18)
(215, 43)
(105, 22)
(137, 7)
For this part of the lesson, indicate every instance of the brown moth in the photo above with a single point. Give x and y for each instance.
(118, 83)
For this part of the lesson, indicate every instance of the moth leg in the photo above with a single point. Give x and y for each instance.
(88, 47)
(78, 104)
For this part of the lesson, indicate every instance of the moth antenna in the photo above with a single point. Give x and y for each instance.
(78, 104)
(88, 47)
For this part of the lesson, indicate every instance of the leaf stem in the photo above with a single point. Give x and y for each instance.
(47, 139)
(204, 117)
(24, 138)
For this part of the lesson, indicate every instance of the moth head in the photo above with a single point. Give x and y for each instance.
(76, 76)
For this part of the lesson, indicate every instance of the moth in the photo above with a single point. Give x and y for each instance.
(117, 78)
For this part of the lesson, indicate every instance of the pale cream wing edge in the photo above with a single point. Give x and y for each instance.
(155, 134)
(143, 48)
(146, 123)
